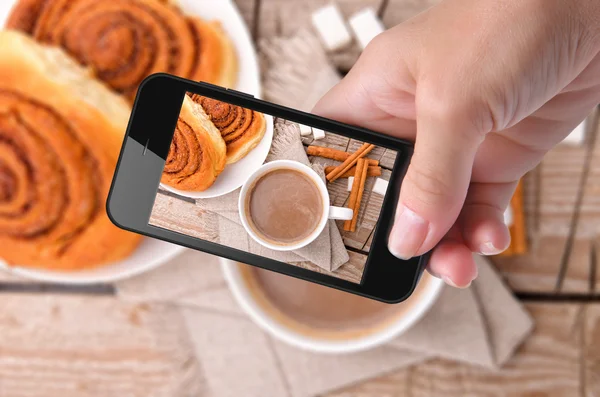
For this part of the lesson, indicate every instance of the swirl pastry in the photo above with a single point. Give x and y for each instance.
(124, 41)
(60, 134)
(197, 153)
(216, 61)
(241, 128)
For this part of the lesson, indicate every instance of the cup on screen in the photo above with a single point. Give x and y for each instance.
(284, 205)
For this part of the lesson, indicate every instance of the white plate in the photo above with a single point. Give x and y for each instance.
(152, 253)
(232, 22)
(234, 175)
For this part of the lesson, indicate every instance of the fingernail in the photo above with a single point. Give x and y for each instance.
(408, 234)
(451, 283)
(488, 248)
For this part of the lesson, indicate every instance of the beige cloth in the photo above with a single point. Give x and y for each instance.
(297, 72)
(327, 251)
(482, 325)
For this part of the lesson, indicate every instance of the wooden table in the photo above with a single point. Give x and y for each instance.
(558, 282)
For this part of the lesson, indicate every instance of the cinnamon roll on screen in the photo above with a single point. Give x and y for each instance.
(123, 41)
(241, 128)
(60, 135)
(197, 153)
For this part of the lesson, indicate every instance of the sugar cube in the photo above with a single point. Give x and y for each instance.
(305, 130)
(350, 182)
(577, 136)
(380, 186)
(508, 216)
(318, 134)
(330, 25)
(366, 25)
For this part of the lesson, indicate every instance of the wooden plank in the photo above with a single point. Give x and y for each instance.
(188, 216)
(385, 156)
(578, 262)
(591, 350)
(531, 195)
(68, 345)
(186, 219)
(537, 271)
(370, 207)
(560, 175)
(548, 364)
(588, 228)
(334, 141)
(371, 204)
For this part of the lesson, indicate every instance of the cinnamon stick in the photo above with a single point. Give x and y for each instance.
(350, 162)
(358, 189)
(372, 170)
(334, 154)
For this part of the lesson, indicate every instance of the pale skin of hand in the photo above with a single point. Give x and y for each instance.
(484, 88)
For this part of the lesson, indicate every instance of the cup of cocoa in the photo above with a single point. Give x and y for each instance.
(284, 205)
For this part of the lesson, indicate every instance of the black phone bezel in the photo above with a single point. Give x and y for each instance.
(145, 147)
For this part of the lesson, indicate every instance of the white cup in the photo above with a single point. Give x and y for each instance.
(328, 212)
(416, 306)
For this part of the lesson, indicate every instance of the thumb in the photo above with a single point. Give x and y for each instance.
(436, 183)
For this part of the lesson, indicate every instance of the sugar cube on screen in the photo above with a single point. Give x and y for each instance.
(366, 25)
(508, 216)
(318, 134)
(380, 186)
(577, 136)
(350, 182)
(330, 25)
(305, 130)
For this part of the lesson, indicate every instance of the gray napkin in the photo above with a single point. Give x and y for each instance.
(482, 325)
(296, 70)
(327, 251)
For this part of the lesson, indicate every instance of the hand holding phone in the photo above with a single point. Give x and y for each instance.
(263, 193)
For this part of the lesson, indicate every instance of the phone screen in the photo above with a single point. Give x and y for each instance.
(269, 187)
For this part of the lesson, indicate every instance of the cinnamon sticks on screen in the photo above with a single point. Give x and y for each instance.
(334, 154)
(350, 162)
(352, 165)
(358, 189)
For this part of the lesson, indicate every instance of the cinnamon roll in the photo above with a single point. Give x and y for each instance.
(197, 153)
(124, 41)
(60, 134)
(216, 61)
(241, 128)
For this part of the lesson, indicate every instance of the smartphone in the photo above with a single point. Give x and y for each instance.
(225, 173)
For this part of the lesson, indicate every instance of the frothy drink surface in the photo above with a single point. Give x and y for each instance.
(318, 306)
(285, 206)
(322, 312)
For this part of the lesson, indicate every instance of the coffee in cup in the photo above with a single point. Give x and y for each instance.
(284, 205)
(324, 313)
